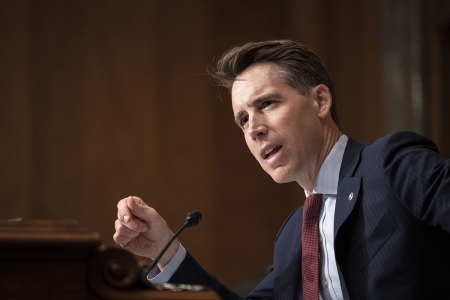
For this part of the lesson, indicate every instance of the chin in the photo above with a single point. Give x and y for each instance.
(280, 178)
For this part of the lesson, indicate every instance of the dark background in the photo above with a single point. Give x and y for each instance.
(105, 99)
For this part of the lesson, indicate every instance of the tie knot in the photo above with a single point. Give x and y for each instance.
(312, 206)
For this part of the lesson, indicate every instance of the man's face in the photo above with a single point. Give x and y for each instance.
(282, 128)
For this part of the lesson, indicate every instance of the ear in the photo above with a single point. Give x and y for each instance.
(323, 99)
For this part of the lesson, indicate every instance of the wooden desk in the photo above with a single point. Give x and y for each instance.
(57, 259)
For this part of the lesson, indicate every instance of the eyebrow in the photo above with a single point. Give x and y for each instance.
(256, 102)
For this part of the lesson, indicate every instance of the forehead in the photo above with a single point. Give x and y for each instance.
(256, 80)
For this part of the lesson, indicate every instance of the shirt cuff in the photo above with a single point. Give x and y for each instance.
(159, 277)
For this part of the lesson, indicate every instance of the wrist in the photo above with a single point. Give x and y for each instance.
(170, 253)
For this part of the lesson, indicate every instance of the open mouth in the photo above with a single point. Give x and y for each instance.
(271, 152)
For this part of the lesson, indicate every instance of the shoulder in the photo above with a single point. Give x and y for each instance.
(415, 171)
(401, 140)
(400, 144)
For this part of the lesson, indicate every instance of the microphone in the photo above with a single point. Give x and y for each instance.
(192, 219)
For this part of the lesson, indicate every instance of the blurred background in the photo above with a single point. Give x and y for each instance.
(105, 99)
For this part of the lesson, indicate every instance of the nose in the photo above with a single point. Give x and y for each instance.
(256, 128)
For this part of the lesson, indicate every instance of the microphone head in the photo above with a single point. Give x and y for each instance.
(193, 218)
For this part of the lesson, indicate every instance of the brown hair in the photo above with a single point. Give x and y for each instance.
(298, 66)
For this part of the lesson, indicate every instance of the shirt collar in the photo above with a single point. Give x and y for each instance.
(328, 177)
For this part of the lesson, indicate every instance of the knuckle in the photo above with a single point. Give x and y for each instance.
(121, 203)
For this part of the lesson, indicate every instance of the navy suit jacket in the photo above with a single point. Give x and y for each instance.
(391, 237)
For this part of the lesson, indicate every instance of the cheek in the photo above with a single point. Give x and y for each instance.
(251, 146)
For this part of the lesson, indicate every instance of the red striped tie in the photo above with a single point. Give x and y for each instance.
(310, 247)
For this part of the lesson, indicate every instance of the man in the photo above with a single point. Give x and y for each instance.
(376, 221)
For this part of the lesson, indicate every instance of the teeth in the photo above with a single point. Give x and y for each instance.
(269, 150)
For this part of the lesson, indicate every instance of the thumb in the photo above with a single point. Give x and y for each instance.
(141, 210)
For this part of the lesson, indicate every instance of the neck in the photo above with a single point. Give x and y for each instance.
(330, 137)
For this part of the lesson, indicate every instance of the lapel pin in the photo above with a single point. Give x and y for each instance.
(350, 197)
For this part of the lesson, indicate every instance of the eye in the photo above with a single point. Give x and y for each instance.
(267, 103)
(244, 120)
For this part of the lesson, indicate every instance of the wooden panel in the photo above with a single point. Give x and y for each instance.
(438, 39)
(354, 61)
(15, 97)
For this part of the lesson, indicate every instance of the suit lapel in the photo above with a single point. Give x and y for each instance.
(288, 284)
(348, 187)
(348, 191)
(345, 201)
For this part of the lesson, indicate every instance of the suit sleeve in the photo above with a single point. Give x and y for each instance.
(419, 176)
(190, 272)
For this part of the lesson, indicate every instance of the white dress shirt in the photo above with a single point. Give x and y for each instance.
(326, 183)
